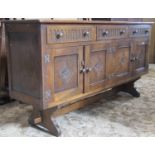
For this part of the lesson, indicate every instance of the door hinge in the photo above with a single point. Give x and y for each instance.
(47, 94)
(47, 58)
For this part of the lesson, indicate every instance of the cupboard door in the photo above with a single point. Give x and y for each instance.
(66, 76)
(139, 56)
(117, 60)
(95, 58)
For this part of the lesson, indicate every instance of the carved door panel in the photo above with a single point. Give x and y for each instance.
(65, 72)
(95, 60)
(139, 55)
(117, 60)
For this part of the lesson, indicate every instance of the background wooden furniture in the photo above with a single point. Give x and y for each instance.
(3, 66)
(2, 57)
(59, 66)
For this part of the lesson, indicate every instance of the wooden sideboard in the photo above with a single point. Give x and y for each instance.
(59, 66)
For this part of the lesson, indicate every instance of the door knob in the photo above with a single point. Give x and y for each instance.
(82, 70)
(133, 59)
(88, 69)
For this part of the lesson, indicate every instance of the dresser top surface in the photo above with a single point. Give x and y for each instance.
(43, 21)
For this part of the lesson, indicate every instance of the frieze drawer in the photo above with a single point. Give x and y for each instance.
(65, 33)
(111, 32)
(139, 30)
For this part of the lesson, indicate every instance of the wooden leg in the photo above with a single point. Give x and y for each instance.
(50, 124)
(128, 88)
(43, 121)
(35, 117)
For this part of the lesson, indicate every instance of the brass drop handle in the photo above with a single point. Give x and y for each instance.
(105, 33)
(85, 34)
(59, 35)
(146, 31)
(88, 69)
(122, 32)
(136, 31)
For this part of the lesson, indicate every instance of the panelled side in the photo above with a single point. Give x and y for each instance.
(24, 62)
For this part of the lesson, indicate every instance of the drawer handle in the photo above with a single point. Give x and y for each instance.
(146, 31)
(134, 32)
(85, 34)
(59, 35)
(105, 33)
(122, 32)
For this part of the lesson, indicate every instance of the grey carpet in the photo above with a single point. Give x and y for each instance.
(121, 116)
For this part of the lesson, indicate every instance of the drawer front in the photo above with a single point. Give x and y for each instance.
(67, 33)
(112, 32)
(139, 30)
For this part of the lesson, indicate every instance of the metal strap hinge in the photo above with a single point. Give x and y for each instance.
(47, 58)
(47, 94)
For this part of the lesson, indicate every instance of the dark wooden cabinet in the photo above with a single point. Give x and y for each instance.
(61, 66)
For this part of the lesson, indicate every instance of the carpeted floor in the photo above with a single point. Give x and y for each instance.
(121, 116)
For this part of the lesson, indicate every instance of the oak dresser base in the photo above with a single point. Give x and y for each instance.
(61, 66)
